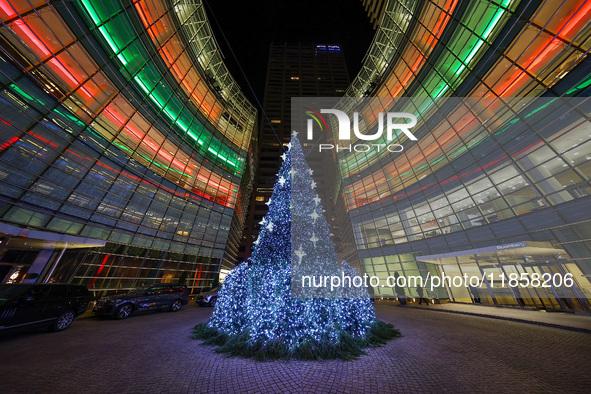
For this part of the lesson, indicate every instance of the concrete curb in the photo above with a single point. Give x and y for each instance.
(538, 323)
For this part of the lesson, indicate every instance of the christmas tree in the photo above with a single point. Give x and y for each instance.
(279, 304)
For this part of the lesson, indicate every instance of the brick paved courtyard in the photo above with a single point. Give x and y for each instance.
(439, 352)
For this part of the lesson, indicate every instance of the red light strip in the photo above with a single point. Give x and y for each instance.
(42, 49)
(43, 139)
(99, 270)
(8, 143)
(223, 200)
(134, 133)
(7, 9)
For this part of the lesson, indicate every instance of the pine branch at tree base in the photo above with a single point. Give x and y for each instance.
(347, 348)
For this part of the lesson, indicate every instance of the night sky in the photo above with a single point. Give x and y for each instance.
(251, 26)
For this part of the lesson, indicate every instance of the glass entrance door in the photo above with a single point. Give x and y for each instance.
(526, 295)
(554, 298)
(494, 277)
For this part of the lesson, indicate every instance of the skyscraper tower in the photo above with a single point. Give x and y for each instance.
(294, 70)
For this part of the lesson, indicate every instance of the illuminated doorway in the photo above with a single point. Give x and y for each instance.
(526, 275)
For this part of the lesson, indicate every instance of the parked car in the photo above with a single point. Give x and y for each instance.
(36, 305)
(153, 297)
(209, 298)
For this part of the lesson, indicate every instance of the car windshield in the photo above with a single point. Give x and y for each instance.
(138, 291)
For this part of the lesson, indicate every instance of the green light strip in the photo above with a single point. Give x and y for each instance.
(580, 86)
(104, 33)
(34, 99)
(210, 146)
(444, 85)
(23, 93)
(491, 26)
(154, 97)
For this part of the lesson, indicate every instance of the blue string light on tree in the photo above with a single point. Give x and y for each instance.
(263, 312)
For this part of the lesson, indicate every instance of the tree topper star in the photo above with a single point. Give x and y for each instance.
(294, 133)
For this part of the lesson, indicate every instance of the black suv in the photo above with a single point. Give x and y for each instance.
(36, 305)
(153, 297)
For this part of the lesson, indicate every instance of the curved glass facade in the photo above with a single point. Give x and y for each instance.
(510, 164)
(120, 123)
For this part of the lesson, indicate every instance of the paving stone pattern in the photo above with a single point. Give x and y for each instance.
(439, 352)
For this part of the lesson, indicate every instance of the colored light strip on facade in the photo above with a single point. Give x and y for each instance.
(225, 195)
(166, 161)
(485, 35)
(543, 55)
(160, 25)
(98, 272)
(440, 86)
(168, 103)
(579, 17)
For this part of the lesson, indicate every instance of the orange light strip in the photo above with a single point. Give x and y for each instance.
(433, 39)
(166, 51)
(442, 21)
(583, 11)
(134, 133)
